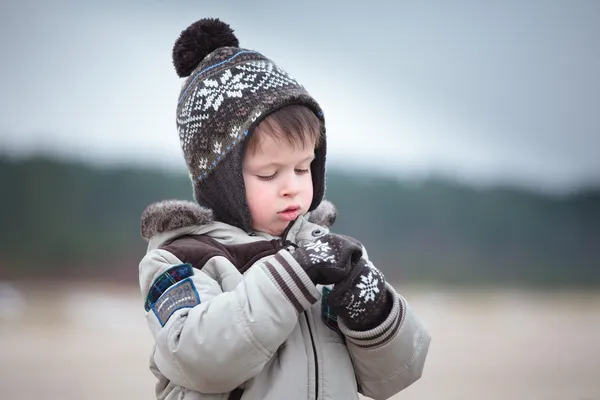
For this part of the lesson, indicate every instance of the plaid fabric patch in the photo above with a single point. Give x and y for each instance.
(166, 280)
(183, 294)
(327, 314)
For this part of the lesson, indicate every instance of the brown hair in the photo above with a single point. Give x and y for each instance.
(295, 123)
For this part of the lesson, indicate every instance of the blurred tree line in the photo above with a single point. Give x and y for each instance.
(67, 220)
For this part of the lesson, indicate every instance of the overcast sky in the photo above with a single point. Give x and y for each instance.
(484, 91)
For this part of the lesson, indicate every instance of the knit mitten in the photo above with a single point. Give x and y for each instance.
(361, 300)
(328, 259)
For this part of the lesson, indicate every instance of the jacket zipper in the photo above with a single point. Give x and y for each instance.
(312, 342)
(283, 243)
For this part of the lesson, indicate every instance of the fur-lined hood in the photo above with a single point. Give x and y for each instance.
(169, 215)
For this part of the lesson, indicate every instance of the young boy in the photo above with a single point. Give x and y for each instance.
(248, 293)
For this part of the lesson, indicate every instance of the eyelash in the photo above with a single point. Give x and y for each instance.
(270, 177)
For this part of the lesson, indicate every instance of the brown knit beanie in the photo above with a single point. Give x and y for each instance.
(228, 91)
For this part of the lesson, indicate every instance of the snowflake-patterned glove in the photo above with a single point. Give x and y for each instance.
(361, 299)
(329, 259)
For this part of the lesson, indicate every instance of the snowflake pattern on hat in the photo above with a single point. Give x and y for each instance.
(223, 97)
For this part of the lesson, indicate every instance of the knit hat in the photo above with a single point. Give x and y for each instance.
(228, 91)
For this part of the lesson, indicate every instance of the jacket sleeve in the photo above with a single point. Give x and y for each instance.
(228, 337)
(391, 356)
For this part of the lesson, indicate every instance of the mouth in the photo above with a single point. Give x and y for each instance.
(290, 213)
(291, 208)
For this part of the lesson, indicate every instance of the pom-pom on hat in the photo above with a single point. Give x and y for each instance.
(228, 90)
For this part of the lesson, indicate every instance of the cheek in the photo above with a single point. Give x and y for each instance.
(257, 194)
(307, 191)
(252, 194)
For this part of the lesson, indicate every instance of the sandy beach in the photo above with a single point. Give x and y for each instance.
(84, 341)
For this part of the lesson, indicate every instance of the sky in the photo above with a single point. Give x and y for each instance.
(485, 92)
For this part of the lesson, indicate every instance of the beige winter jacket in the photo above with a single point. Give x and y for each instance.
(250, 320)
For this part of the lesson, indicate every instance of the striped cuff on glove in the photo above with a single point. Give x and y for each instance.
(385, 332)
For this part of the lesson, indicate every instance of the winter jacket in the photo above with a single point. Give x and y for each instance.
(233, 315)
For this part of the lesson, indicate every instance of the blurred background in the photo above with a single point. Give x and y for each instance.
(464, 151)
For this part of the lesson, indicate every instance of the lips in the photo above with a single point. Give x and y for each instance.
(290, 213)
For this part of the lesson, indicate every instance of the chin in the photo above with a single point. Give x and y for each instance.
(271, 230)
(278, 232)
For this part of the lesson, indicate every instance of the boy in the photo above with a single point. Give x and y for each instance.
(248, 293)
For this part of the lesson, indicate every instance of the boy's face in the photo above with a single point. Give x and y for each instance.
(278, 183)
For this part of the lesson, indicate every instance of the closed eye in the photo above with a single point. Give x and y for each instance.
(266, 177)
(301, 171)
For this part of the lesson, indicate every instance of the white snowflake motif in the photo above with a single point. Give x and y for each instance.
(368, 287)
(319, 252)
(267, 75)
(215, 91)
(217, 147)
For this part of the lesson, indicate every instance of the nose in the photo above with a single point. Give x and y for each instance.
(290, 186)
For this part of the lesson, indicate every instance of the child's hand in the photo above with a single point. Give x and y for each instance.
(361, 300)
(329, 259)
